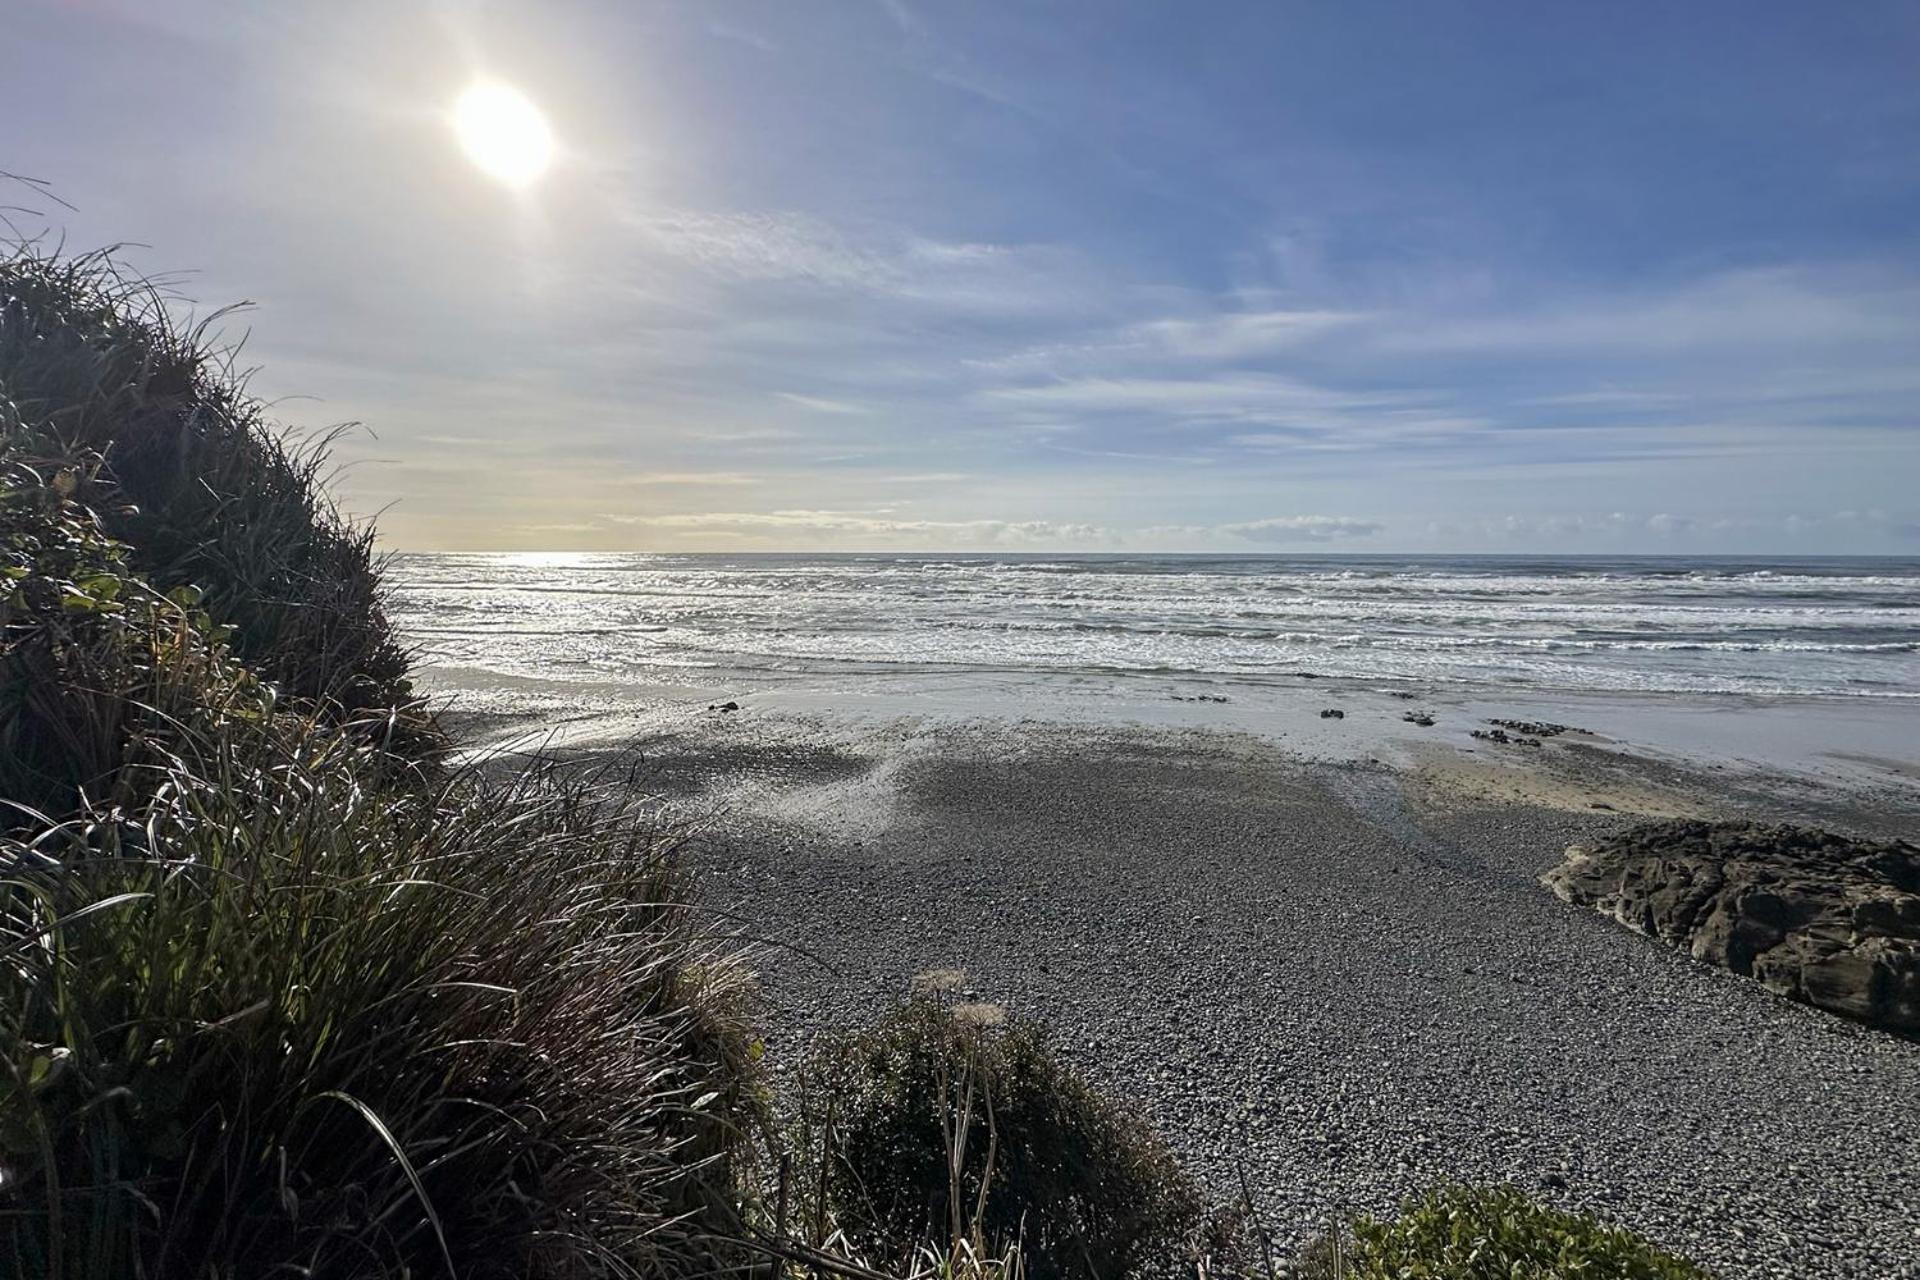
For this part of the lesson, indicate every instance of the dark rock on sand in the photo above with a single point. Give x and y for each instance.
(1535, 728)
(1824, 918)
(1333, 713)
(1420, 718)
(1504, 738)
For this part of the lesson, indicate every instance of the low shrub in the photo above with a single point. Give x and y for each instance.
(1496, 1233)
(264, 1018)
(935, 1125)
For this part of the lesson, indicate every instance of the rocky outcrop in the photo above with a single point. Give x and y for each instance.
(1505, 739)
(1535, 728)
(1825, 918)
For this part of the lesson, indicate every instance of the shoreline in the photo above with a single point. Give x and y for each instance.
(1831, 754)
(1334, 969)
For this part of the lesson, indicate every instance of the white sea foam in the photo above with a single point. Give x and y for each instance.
(1829, 627)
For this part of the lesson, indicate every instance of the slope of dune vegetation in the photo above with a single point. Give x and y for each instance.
(284, 992)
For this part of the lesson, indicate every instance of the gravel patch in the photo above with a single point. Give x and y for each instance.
(1306, 972)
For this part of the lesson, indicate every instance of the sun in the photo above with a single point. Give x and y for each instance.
(503, 133)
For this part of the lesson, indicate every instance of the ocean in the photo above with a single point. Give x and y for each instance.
(1781, 627)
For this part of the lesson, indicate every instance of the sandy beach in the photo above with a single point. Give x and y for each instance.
(1314, 950)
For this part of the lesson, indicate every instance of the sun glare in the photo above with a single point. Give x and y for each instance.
(503, 133)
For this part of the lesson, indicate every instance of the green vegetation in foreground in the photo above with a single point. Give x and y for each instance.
(268, 1016)
(282, 994)
(942, 1122)
(1464, 1233)
(175, 461)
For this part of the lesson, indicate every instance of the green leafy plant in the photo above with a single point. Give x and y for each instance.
(1496, 1233)
(96, 667)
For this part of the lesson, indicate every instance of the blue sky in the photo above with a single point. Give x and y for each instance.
(890, 273)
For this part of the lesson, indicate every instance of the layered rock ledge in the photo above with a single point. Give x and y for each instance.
(1828, 919)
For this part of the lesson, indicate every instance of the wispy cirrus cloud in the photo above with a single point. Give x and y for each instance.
(1236, 397)
(1785, 308)
(763, 246)
(821, 404)
(783, 247)
(1242, 335)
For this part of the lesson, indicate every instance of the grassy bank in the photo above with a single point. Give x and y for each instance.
(282, 992)
(285, 993)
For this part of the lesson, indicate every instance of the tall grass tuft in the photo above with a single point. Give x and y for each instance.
(263, 1018)
(99, 380)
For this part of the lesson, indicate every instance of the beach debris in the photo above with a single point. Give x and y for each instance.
(1536, 728)
(1504, 738)
(1827, 919)
(1421, 718)
(1333, 713)
(979, 1013)
(933, 981)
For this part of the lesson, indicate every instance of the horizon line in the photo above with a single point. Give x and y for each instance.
(1249, 555)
